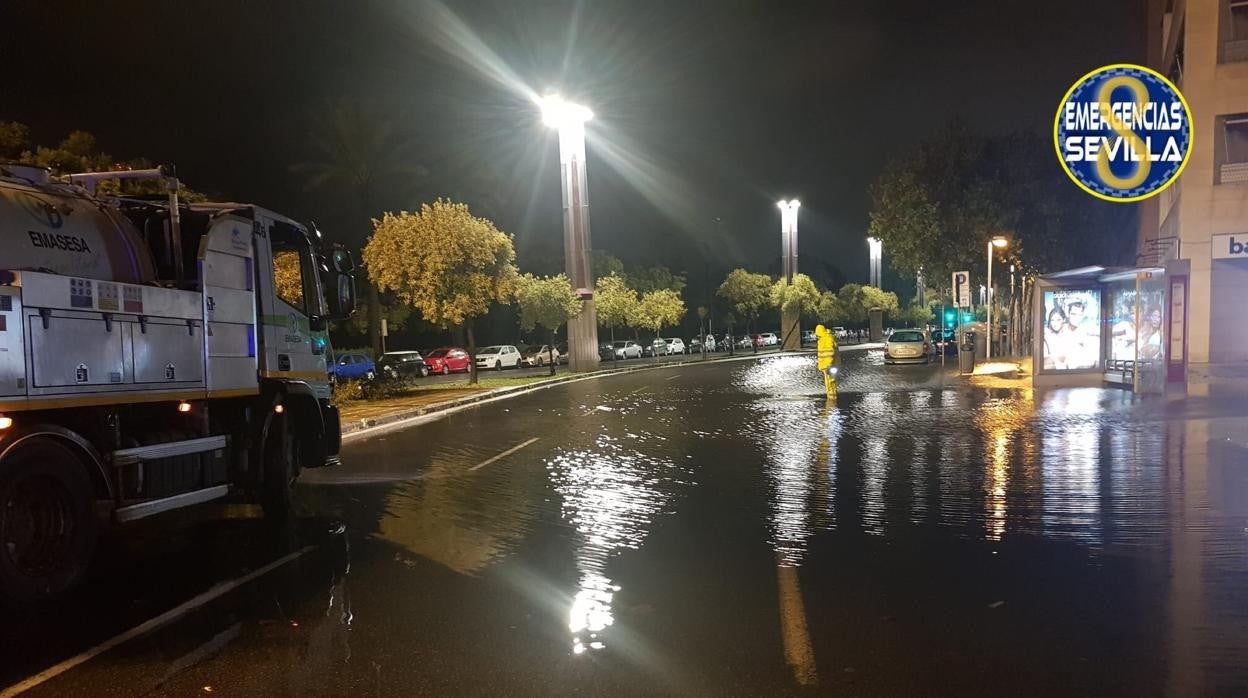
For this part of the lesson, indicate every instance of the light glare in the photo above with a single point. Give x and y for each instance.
(557, 112)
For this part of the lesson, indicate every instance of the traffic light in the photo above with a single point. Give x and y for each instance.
(968, 317)
(951, 317)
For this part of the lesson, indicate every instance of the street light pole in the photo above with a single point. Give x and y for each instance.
(877, 253)
(790, 333)
(569, 119)
(997, 241)
(788, 237)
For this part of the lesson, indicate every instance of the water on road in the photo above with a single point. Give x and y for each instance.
(721, 529)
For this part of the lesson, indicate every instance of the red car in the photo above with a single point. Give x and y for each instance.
(446, 360)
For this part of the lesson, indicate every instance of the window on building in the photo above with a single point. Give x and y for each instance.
(1231, 144)
(1234, 30)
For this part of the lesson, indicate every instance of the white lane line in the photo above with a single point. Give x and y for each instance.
(484, 463)
(149, 626)
(634, 392)
(673, 377)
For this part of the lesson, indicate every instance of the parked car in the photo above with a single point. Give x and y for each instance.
(498, 357)
(709, 342)
(907, 346)
(840, 332)
(540, 355)
(447, 360)
(675, 345)
(808, 337)
(562, 355)
(695, 346)
(658, 347)
(353, 367)
(768, 339)
(403, 364)
(746, 342)
(626, 349)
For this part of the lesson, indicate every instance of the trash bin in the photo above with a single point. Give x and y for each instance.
(966, 353)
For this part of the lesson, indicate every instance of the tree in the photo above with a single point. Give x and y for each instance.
(360, 150)
(549, 301)
(446, 263)
(703, 312)
(915, 315)
(655, 278)
(604, 264)
(798, 298)
(14, 139)
(873, 297)
(850, 303)
(615, 302)
(829, 309)
(659, 309)
(938, 207)
(747, 293)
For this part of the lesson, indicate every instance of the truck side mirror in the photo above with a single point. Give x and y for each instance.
(341, 292)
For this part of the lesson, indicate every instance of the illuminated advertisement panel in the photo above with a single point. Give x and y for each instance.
(1072, 330)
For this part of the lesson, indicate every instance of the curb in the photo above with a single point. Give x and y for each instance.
(364, 426)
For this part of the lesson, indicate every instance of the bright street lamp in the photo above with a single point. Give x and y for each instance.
(998, 242)
(877, 254)
(569, 119)
(788, 237)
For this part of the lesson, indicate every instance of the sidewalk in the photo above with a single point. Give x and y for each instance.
(365, 415)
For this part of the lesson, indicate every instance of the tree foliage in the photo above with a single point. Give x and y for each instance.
(800, 297)
(748, 293)
(659, 309)
(80, 152)
(656, 278)
(443, 261)
(615, 302)
(549, 301)
(938, 206)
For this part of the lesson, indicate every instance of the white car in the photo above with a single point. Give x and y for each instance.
(907, 346)
(626, 349)
(541, 355)
(675, 345)
(840, 332)
(709, 342)
(768, 339)
(498, 357)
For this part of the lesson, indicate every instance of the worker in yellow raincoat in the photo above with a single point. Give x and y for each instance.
(825, 343)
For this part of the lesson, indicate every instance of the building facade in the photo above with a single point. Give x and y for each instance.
(1202, 45)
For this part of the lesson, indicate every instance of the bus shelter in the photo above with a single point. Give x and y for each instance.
(1112, 326)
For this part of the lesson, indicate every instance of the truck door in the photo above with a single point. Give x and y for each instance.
(294, 349)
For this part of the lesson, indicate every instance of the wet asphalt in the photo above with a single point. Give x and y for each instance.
(718, 529)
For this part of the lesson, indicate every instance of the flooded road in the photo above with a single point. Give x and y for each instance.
(713, 530)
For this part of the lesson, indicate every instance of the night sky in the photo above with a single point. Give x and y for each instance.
(706, 111)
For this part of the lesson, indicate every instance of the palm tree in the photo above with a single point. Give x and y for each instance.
(360, 150)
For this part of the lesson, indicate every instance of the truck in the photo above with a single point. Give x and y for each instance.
(155, 354)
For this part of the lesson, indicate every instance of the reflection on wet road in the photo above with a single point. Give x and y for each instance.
(723, 529)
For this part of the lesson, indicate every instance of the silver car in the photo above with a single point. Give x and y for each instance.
(907, 346)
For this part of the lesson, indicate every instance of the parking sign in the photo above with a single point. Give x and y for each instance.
(962, 289)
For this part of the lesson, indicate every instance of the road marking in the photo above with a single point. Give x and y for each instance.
(149, 626)
(484, 463)
(634, 392)
(673, 377)
(798, 652)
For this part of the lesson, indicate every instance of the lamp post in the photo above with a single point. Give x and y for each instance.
(788, 237)
(996, 242)
(877, 253)
(790, 332)
(569, 120)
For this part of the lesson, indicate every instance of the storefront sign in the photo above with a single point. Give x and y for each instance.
(1233, 246)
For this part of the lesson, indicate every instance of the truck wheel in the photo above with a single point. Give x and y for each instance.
(281, 468)
(48, 526)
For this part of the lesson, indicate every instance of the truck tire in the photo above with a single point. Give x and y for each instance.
(48, 526)
(280, 468)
